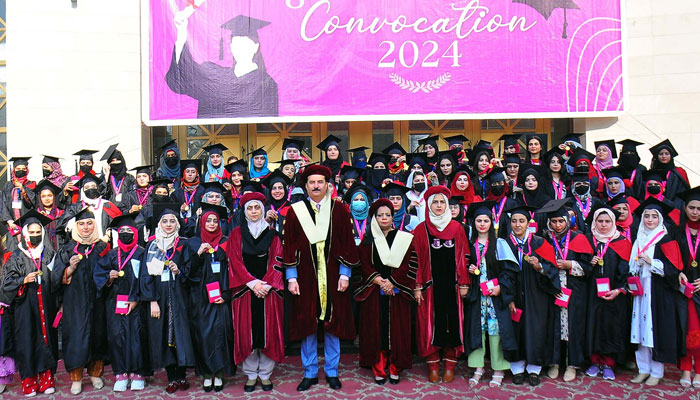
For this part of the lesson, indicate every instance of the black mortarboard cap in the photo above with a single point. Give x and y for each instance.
(214, 186)
(19, 160)
(170, 145)
(510, 139)
(293, 143)
(480, 208)
(581, 177)
(160, 183)
(416, 158)
(88, 177)
(431, 140)
(654, 175)
(614, 172)
(360, 149)
(572, 137)
(85, 154)
(378, 157)
(124, 220)
(610, 144)
(551, 153)
(394, 189)
(46, 184)
(521, 209)
(216, 148)
(620, 198)
(350, 172)
(454, 200)
(33, 217)
(330, 140)
(555, 208)
(511, 159)
(356, 187)
(666, 144)
(260, 151)
(656, 204)
(85, 213)
(240, 166)
(690, 194)
(251, 186)
(191, 163)
(220, 211)
(496, 175)
(394, 148)
(629, 145)
(276, 176)
(160, 209)
(579, 154)
(457, 139)
(143, 169)
(109, 153)
(49, 159)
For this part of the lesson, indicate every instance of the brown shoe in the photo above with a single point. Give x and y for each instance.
(448, 376)
(434, 374)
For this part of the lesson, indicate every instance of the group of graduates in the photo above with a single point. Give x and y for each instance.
(558, 259)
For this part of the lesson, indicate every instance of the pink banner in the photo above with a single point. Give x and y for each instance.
(222, 61)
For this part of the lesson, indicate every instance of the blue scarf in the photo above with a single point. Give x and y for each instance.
(398, 215)
(167, 172)
(256, 174)
(215, 172)
(360, 215)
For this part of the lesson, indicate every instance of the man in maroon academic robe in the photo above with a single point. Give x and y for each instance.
(319, 252)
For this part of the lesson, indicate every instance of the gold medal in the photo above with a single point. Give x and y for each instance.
(211, 250)
(80, 256)
(140, 207)
(636, 259)
(495, 226)
(567, 148)
(477, 272)
(40, 273)
(121, 274)
(601, 262)
(490, 165)
(694, 264)
(187, 208)
(527, 258)
(167, 262)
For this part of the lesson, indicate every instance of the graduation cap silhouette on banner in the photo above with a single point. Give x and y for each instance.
(547, 7)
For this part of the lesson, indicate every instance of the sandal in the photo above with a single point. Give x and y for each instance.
(696, 381)
(496, 380)
(474, 380)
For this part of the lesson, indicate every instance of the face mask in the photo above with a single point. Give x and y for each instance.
(498, 190)
(35, 240)
(160, 198)
(20, 174)
(85, 168)
(629, 160)
(46, 172)
(581, 190)
(358, 205)
(654, 189)
(92, 194)
(361, 164)
(419, 187)
(572, 220)
(126, 237)
(171, 161)
(116, 169)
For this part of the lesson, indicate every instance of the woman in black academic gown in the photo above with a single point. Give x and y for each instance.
(675, 178)
(557, 181)
(531, 288)
(377, 173)
(584, 201)
(658, 325)
(140, 194)
(533, 195)
(205, 275)
(27, 288)
(573, 254)
(84, 335)
(160, 284)
(277, 184)
(18, 196)
(188, 190)
(117, 280)
(608, 313)
(627, 222)
(445, 170)
(119, 181)
(498, 192)
(486, 316)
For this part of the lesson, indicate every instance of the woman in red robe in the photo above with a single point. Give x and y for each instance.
(442, 247)
(255, 254)
(388, 274)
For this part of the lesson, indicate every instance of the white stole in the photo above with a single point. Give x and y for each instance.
(315, 231)
(391, 257)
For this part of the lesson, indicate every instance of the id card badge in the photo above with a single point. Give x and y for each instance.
(118, 198)
(215, 267)
(17, 204)
(165, 276)
(532, 227)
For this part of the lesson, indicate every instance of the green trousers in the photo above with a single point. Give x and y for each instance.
(498, 362)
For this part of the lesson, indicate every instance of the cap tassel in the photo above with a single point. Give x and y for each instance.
(221, 48)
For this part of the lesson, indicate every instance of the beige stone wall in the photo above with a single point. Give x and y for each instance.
(663, 49)
(73, 79)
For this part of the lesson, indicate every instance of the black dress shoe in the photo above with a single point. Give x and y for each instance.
(248, 388)
(208, 388)
(266, 388)
(334, 382)
(380, 382)
(219, 388)
(533, 379)
(519, 379)
(306, 383)
(394, 381)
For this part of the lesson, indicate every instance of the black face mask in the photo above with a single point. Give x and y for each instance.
(21, 173)
(46, 172)
(498, 190)
(117, 169)
(419, 187)
(628, 160)
(85, 168)
(126, 237)
(92, 194)
(581, 190)
(35, 240)
(160, 198)
(171, 161)
(654, 189)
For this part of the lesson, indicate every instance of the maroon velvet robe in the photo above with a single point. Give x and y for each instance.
(298, 252)
(424, 279)
(240, 305)
(368, 295)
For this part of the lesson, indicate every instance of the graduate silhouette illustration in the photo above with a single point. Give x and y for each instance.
(242, 90)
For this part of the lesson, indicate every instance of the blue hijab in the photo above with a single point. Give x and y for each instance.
(255, 174)
(170, 172)
(359, 214)
(216, 173)
(398, 215)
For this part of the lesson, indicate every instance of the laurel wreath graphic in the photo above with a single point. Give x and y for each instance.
(415, 87)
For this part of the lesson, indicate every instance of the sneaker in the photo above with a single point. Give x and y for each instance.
(553, 372)
(593, 371)
(50, 390)
(30, 394)
(97, 382)
(76, 387)
(120, 385)
(608, 374)
(138, 384)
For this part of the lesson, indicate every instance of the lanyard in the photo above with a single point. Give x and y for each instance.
(81, 255)
(361, 231)
(117, 188)
(165, 253)
(97, 207)
(564, 253)
(142, 200)
(521, 245)
(119, 258)
(558, 190)
(634, 173)
(658, 235)
(497, 215)
(692, 247)
(479, 255)
(584, 210)
(36, 264)
(602, 252)
(188, 200)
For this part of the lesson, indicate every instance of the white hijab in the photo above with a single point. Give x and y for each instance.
(256, 227)
(644, 237)
(439, 221)
(36, 251)
(163, 240)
